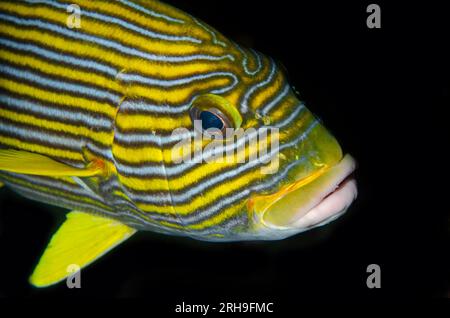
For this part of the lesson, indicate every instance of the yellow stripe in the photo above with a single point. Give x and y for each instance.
(75, 103)
(151, 154)
(172, 225)
(263, 96)
(148, 122)
(138, 155)
(177, 95)
(195, 174)
(43, 150)
(158, 25)
(211, 195)
(170, 155)
(69, 72)
(283, 110)
(221, 190)
(235, 94)
(111, 31)
(75, 47)
(129, 64)
(219, 217)
(100, 137)
(55, 192)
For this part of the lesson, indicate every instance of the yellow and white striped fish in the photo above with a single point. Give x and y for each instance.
(90, 95)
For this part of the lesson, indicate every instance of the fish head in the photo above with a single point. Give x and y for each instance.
(279, 168)
(245, 159)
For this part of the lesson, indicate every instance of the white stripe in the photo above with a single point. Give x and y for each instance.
(211, 32)
(219, 205)
(148, 138)
(299, 108)
(151, 12)
(179, 81)
(60, 85)
(77, 205)
(152, 169)
(53, 139)
(126, 77)
(245, 61)
(185, 196)
(64, 58)
(55, 184)
(276, 100)
(111, 44)
(123, 23)
(68, 203)
(141, 106)
(104, 152)
(55, 113)
(244, 106)
(58, 200)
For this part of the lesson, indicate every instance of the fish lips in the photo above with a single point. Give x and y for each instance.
(311, 201)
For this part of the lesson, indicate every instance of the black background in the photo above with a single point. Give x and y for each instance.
(382, 92)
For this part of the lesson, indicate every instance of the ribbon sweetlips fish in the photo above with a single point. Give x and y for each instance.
(88, 111)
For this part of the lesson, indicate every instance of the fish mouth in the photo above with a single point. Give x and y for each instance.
(312, 201)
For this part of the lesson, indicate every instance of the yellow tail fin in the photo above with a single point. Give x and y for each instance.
(80, 240)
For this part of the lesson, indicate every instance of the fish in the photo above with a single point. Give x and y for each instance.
(121, 112)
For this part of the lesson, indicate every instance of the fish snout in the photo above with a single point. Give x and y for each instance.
(312, 201)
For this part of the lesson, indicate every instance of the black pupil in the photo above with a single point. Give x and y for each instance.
(210, 120)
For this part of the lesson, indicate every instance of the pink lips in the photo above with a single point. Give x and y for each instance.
(334, 205)
(314, 202)
(340, 193)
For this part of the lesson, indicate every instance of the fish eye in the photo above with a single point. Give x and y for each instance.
(214, 112)
(211, 118)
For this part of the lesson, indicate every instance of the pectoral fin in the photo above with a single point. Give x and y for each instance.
(80, 240)
(32, 163)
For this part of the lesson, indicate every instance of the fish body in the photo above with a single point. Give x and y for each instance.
(91, 93)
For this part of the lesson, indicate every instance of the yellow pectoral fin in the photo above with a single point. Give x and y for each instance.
(1, 184)
(80, 240)
(32, 163)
